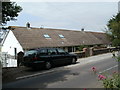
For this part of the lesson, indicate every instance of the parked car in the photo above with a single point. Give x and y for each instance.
(48, 57)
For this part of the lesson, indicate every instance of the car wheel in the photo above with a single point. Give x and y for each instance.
(73, 60)
(48, 65)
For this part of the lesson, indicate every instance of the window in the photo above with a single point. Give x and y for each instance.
(46, 36)
(61, 36)
(43, 52)
(32, 52)
(61, 51)
(52, 51)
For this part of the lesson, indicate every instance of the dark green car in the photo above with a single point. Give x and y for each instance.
(48, 57)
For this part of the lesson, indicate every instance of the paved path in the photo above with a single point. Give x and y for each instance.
(96, 58)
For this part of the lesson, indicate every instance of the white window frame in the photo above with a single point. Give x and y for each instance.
(61, 36)
(46, 36)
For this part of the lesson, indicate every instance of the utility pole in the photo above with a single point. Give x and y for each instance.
(0, 13)
(119, 7)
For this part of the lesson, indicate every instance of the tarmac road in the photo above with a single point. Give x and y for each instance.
(78, 75)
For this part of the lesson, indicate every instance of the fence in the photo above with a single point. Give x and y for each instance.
(96, 52)
(7, 60)
(101, 51)
(80, 54)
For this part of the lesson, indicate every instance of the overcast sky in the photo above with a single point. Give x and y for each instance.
(92, 16)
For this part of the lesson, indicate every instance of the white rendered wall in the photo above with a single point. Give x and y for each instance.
(10, 43)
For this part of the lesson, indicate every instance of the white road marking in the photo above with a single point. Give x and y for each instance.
(109, 69)
(41, 73)
(34, 74)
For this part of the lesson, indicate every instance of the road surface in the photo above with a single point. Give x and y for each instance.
(77, 75)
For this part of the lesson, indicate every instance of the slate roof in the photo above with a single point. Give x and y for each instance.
(34, 37)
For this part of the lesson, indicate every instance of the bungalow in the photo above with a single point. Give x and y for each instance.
(25, 38)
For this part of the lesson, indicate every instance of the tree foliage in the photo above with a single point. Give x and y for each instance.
(113, 31)
(10, 11)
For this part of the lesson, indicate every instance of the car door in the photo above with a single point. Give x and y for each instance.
(43, 55)
(54, 56)
(64, 56)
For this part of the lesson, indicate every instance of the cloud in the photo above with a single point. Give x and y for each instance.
(65, 0)
(69, 15)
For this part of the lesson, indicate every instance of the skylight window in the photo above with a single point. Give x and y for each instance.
(61, 36)
(46, 36)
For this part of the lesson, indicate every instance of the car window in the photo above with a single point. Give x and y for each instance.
(43, 52)
(52, 51)
(32, 52)
(61, 51)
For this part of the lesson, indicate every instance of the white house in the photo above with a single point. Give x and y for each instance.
(25, 38)
(10, 44)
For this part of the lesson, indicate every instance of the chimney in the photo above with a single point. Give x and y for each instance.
(82, 29)
(28, 25)
(41, 27)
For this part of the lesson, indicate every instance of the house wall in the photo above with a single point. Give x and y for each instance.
(10, 44)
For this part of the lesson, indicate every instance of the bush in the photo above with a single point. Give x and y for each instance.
(112, 81)
(118, 59)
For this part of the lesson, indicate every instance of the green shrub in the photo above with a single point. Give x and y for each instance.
(112, 81)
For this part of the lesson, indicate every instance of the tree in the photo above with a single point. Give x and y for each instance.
(113, 31)
(10, 11)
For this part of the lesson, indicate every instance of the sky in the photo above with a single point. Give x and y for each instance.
(92, 15)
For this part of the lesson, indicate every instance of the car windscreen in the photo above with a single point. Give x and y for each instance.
(32, 52)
